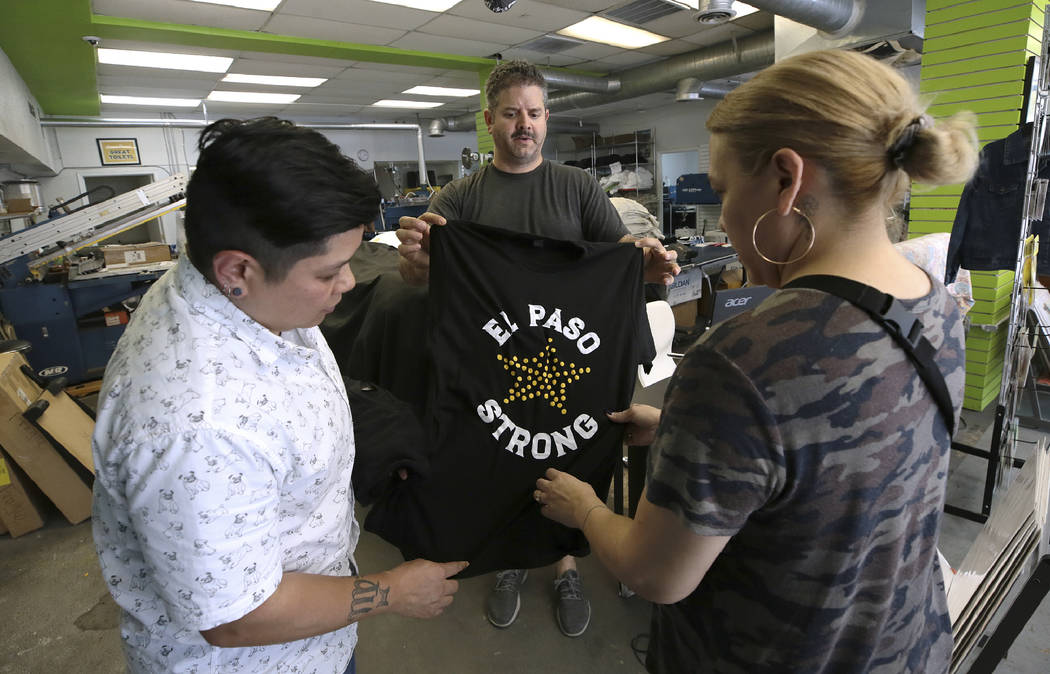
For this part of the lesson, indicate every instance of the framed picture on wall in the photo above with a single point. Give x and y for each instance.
(118, 151)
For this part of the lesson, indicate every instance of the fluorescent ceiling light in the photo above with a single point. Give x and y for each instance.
(441, 91)
(743, 9)
(390, 103)
(276, 81)
(265, 5)
(598, 29)
(251, 97)
(143, 100)
(156, 59)
(429, 5)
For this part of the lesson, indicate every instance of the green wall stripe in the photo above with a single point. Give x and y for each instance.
(970, 9)
(974, 93)
(1006, 45)
(933, 214)
(927, 201)
(985, 19)
(481, 131)
(920, 228)
(973, 65)
(918, 190)
(998, 104)
(1014, 74)
(989, 133)
(990, 33)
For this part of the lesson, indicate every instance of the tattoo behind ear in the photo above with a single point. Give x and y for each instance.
(807, 203)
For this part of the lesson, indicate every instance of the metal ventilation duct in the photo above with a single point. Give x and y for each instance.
(711, 63)
(830, 16)
(559, 79)
(692, 89)
(715, 12)
(468, 122)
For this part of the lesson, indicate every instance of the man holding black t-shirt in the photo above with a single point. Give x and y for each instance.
(521, 191)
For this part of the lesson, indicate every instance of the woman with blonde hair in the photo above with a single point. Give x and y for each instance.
(797, 469)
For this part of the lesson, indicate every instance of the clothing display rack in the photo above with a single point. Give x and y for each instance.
(1019, 339)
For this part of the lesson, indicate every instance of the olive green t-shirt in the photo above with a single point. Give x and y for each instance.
(552, 200)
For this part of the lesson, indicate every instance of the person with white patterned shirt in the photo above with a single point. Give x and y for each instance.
(223, 506)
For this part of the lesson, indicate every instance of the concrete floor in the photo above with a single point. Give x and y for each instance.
(56, 615)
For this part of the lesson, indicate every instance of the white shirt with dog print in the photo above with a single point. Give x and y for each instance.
(223, 455)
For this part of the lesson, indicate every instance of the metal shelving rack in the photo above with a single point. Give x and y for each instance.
(1000, 455)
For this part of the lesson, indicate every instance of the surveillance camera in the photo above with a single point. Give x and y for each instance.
(92, 40)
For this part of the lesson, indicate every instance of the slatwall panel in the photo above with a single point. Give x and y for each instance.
(485, 142)
(974, 56)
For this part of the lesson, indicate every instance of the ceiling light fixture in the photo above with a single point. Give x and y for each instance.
(598, 29)
(442, 91)
(264, 5)
(428, 5)
(144, 100)
(251, 97)
(392, 103)
(156, 59)
(276, 81)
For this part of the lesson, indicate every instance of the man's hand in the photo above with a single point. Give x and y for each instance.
(422, 589)
(414, 235)
(660, 265)
(641, 421)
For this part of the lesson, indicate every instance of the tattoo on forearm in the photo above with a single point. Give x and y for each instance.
(367, 595)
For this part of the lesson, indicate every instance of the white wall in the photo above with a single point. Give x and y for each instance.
(164, 152)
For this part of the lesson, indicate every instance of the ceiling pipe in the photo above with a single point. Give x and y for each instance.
(559, 79)
(719, 61)
(692, 89)
(830, 16)
(468, 122)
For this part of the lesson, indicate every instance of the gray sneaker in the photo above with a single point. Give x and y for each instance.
(574, 611)
(503, 603)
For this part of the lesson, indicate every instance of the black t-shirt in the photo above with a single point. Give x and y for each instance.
(533, 340)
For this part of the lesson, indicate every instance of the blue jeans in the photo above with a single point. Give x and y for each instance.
(352, 667)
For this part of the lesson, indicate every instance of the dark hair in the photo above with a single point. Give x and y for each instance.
(513, 74)
(274, 190)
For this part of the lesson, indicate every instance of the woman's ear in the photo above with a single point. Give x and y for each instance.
(232, 269)
(789, 167)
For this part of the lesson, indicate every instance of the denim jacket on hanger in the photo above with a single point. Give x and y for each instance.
(988, 223)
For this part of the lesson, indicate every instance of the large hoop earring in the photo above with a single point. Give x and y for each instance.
(812, 237)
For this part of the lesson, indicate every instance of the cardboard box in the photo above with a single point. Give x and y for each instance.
(20, 206)
(685, 315)
(31, 451)
(687, 286)
(136, 253)
(20, 507)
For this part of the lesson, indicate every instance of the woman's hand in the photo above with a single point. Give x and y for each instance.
(565, 499)
(641, 421)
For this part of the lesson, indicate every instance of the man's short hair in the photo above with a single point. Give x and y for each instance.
(513, 74)
(273, 190)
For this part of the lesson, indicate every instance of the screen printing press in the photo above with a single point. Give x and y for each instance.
(58, 292)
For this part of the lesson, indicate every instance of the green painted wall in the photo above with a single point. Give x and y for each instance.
(974, 57)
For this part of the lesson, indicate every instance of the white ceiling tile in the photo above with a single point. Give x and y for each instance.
(678, 24)
(328, 29)
(591, 50)
(714, 34)
(358, 11)
(541, 59)
(587, 5)
(628, 58)
(366, 74)
(306, 109)
(470, 29)
(398, 68)
(525, 14)
(254, 66)
(447, 45)
(183, 11)
(669, 48)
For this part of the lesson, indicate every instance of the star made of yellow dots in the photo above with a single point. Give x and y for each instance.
(544, 376)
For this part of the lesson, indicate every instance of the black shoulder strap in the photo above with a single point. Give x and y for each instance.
(901, 324)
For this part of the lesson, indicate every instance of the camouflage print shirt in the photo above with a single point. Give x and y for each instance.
(803, 432)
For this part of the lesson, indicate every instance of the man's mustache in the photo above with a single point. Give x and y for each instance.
(524, 134)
